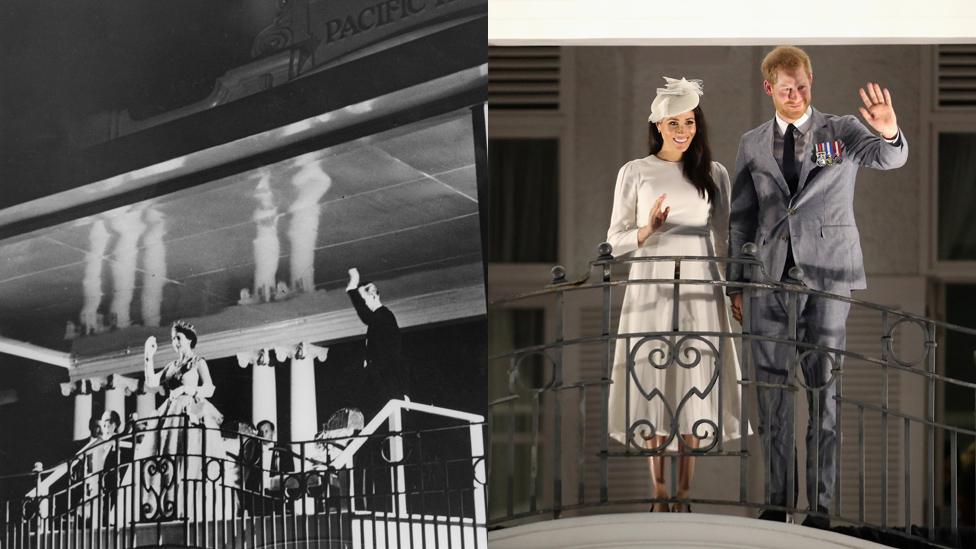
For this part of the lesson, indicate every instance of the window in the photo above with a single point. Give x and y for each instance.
(957, 196)
(524, 201)
(511, 422)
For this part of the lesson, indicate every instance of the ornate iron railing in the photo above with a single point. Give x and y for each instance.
(552, 455)
(413, 477)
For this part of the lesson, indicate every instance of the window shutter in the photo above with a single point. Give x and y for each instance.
(956, 76)
(523, 78)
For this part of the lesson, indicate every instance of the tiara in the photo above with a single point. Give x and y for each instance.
(182, 324)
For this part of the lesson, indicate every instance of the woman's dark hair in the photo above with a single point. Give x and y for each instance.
(186, 329)
(696, 163)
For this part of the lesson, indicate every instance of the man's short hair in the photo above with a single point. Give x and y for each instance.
(785, 57)
(266, 422)
(114, 417)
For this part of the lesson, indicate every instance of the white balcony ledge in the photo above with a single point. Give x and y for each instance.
(674, 531)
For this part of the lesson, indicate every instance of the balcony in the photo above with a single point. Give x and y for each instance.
(903, 471)
(412, 477)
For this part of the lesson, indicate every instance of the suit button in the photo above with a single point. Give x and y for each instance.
(784, 238)
(792, 211)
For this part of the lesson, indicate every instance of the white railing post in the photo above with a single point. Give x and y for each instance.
(479, 482)
(397, 479)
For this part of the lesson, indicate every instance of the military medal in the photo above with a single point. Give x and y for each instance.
(821, 155)
(829, 153)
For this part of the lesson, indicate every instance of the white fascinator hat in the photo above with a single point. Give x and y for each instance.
(676, 97)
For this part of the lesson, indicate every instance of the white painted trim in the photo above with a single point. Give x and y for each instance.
(35, 352)
(453, 304)
(719, 22)
(391, 408)
(671, 530)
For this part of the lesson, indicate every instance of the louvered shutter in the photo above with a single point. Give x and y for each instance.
(863, 382)
(523, 78)
(956, 76)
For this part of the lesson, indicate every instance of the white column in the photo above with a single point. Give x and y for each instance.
(83, 412)
(115, 400)
(304, 415)
(145, 405)
(264, 391)
(480, 482)
(397, 478)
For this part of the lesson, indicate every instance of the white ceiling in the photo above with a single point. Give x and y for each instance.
(399, 202)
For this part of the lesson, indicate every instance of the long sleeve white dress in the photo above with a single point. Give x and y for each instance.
(669, 390)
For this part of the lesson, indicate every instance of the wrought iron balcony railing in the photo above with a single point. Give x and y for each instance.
(413, 477)
(552, 454)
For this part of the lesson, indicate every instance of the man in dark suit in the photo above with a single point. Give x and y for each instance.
(385, 367)
(83, 465)
(251, 475)
(280, 459)
(793, 196)
(118, 456)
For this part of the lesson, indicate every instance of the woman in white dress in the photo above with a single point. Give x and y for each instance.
(177, 431)
(675, 201)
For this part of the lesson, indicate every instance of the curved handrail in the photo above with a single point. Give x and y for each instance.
(370, 430)
(553, 414)
(799, 288)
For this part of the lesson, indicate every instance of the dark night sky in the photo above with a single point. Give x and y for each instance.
(62, 61)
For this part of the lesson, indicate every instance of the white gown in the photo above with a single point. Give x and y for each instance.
(693, 228)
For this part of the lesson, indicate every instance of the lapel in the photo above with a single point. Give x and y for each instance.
(767, 158)
(816, 134)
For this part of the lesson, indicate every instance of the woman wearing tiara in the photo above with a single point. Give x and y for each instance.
(187, 424)
(673, 202)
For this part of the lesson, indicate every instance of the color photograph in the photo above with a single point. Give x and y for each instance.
(729, 277)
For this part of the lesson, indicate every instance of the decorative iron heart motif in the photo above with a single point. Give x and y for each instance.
(635, 427)
(158, 476)
(632, 364)
(672, 359)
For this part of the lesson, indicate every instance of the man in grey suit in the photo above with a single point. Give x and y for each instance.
(793, 196)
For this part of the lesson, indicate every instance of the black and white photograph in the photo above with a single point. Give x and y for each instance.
(242, 287)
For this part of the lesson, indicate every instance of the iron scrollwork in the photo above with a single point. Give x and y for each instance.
(667, 356)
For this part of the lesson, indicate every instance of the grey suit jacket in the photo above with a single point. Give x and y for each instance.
(819, 218)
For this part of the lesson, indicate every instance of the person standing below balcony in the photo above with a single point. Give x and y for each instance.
(793, 196)
(675, 201)
(385, 368)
